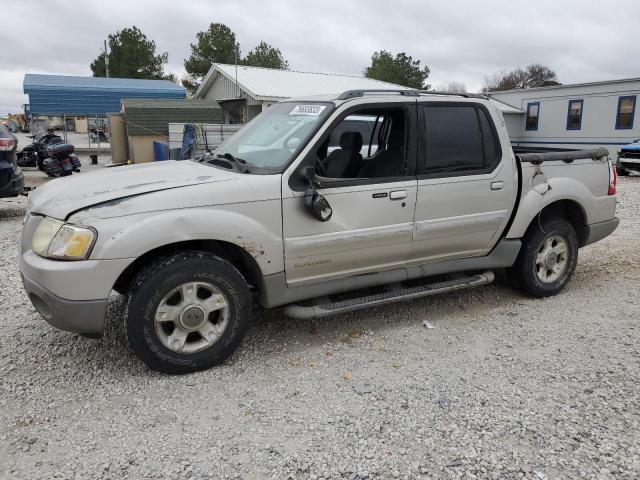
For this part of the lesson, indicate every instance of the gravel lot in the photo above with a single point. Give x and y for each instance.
(501, 387)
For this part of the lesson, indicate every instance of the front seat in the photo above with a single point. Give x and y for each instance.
(389, 162)
(346, 161)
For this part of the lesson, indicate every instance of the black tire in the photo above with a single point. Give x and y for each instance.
(621, 171)
(159, 278)
(523, 275)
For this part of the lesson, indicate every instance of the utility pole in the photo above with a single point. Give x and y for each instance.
(106, 59)
(237, 91)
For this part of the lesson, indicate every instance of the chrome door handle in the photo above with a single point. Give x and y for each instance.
(398, 195)
(497, 185)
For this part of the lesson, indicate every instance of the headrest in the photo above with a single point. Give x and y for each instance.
(351, 141)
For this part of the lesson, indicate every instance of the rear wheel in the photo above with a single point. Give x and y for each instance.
(547, 259)
(187, 312)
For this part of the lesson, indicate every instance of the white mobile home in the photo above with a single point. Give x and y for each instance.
(584, 115)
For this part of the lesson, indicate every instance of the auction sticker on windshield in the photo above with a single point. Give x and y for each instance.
(309, 110)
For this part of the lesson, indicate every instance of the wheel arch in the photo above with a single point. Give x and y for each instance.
(234, 254)
(566, 209)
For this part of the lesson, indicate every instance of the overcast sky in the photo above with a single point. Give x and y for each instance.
(460, 40)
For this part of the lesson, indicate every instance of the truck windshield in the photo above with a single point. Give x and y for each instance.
(269, 141)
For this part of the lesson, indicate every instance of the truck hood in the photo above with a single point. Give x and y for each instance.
(60, 197)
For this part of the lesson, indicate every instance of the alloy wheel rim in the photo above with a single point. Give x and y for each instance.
(191, 317)
(552, 259)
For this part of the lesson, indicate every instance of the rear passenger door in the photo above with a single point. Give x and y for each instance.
(466, 183)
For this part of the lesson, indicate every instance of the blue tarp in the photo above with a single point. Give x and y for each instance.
(60, 94)
(188, 141)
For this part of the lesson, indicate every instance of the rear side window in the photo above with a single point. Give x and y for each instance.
(459, 138)
(492, 151)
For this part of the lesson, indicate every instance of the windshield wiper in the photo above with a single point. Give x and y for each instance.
(243, 165)
(228, 156)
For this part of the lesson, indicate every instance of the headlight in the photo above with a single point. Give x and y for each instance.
(56, 239)
(47, 229)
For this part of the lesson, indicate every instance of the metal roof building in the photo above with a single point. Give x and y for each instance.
(153, 116)
(70, 95)
(243, 91)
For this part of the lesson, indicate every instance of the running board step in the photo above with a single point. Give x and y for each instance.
(333, 308)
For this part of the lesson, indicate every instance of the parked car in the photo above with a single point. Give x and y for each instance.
(11, 176)
(277, 219)
(629, 158)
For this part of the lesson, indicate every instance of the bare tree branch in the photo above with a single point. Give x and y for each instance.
(535, 75)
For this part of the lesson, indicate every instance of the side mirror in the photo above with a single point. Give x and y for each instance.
(318, 206)
(314, 202)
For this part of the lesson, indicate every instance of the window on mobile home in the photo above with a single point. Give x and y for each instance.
(574, 116)
(626, 111)
(533, 112)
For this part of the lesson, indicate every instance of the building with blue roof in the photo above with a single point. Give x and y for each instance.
(57, 95)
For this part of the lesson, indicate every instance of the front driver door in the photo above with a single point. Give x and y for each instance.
(372, 223)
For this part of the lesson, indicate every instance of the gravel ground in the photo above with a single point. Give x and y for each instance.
(501, 387)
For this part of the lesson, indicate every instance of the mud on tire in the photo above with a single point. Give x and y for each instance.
(542, 248)
(150, 297)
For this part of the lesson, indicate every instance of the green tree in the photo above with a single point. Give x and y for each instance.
(215, 45)
(131, 55)
(264, 55)
(401, 70)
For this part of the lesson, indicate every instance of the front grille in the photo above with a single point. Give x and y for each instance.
(635, 155)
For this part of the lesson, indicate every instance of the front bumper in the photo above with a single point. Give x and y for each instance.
(598, 231)
(80, 316)
(14, 188)
(630, 163)
(69, 295)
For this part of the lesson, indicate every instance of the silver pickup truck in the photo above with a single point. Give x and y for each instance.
(427, 197)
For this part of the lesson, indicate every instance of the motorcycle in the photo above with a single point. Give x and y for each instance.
(51, 154)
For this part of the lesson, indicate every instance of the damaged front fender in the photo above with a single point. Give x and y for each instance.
(134, 235)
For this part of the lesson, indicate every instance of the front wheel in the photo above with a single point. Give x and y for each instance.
(187, 312)
(547, 259)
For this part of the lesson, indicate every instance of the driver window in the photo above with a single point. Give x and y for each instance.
(367, 144)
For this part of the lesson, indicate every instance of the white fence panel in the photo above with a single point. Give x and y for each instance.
(207, 134)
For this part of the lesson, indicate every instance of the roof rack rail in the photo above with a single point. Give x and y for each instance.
(462, 94)
(359, 93)
(406, 92)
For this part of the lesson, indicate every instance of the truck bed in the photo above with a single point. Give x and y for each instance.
(550, 176)
(539, 155)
